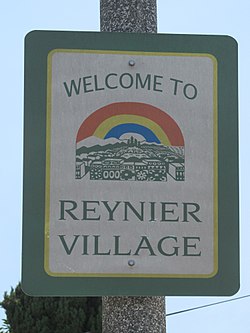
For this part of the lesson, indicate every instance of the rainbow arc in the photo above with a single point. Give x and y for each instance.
(117, 119)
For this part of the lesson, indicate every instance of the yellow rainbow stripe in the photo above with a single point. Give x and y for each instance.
(111, 122)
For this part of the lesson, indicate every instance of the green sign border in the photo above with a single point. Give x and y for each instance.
(35, 281)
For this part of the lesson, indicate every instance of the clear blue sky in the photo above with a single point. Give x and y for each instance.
(226, 17)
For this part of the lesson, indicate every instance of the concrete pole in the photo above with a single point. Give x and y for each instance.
(131, 314)
(128, 16)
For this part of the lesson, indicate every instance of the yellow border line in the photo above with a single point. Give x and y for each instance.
(215, 121)
(48, 161)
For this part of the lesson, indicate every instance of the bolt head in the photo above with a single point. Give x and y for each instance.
(131, 62)
(131, 262)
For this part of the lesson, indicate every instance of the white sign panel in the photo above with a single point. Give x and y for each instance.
(131, 165)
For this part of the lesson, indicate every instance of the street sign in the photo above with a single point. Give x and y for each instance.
(131, 165)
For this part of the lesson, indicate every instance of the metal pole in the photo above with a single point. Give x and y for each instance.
(131, 314)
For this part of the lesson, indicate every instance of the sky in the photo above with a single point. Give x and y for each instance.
(225, 17)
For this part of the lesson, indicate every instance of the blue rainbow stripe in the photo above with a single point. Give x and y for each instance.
(119, 130)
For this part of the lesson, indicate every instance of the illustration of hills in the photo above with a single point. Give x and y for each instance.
(94, 144)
